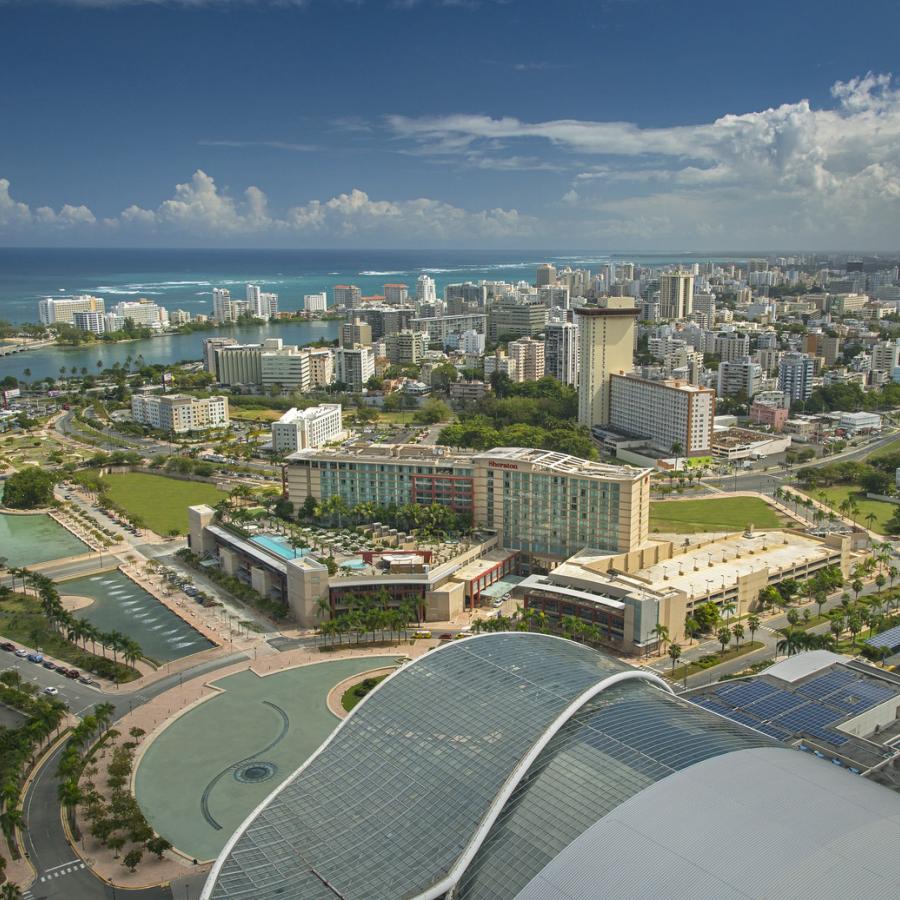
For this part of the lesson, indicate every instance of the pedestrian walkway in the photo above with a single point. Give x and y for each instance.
(62, 870)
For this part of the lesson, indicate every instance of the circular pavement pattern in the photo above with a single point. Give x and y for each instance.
(255, 772)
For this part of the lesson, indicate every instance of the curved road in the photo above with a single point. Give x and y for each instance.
(61, 873)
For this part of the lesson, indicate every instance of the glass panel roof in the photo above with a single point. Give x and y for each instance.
(388, 807)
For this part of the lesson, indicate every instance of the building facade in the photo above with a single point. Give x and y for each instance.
(529, 356)
(303, 429)
(62, 309)
(179, 413)
(561, 352)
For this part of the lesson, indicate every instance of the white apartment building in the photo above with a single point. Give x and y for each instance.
(561, 352)
(676, 295)
(396, 294)
(739, 376)
(179, 317)
(90, 321)
(886, 356)
(705, 307)
(144, 313)
(795, 376)
(498, 361)
(354, 366)
(529, 356)
(262, 304)
(471, 342)
(112, 322)
(315, 303)
(305, 429)
(425, 289)
(287, 368)
(406, 348)
(440, 327)
(179, 413)
(227, 310)
(667, 413)
(62, 309)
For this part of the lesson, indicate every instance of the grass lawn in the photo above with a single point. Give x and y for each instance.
(22, 620)
(712, 514)
(159, 501)
(353, 695)
(255, 414)
(837, 493)
(888, 449)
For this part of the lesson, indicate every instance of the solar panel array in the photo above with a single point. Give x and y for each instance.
(813, 708)
(889, 639)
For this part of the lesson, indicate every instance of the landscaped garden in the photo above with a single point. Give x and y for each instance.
(354, 694)
(712, 514)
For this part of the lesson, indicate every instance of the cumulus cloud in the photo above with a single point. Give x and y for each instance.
(833, 171)
(16, 215)
(203, 210)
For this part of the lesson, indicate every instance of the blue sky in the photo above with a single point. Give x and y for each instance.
(591, 124)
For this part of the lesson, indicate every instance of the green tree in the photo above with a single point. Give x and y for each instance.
(674, 654)
(724, 637)
(29, 488)
(133, 858)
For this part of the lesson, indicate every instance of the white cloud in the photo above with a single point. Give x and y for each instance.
(200, 209)
(813, 174)
(15, 215)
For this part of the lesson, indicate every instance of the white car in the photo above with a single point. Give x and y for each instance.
(51, 691)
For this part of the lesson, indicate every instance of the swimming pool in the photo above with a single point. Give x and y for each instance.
(277, 545)
(354, 564)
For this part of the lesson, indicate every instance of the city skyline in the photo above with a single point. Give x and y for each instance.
(421, 124)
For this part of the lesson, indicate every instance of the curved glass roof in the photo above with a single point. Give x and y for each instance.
(391, 802)
(623, 740)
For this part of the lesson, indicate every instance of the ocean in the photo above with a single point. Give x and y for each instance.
(184, 279)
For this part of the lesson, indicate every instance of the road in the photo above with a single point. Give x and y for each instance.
(61, 874)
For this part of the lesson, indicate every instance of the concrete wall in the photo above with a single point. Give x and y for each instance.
(445, 602)
(202, 543)
(307, 583)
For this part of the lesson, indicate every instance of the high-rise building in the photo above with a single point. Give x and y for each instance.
(739, 376)
(704, 310)
(529, 356)
(406, 348)
(606, 346)
(222, 309)
(62, 309)
(885, 356)
(143, 313)
(90, 321)
(515, 318)
(315, 303)
(439, 328)
(304, 429)
(546, 275)
(676, 295)
(547, 505)
(795, 376)
(286, 368)
(356, 333)
(396, 294)
(425, 289)
(561, 352)
(675, 417)
(346, 296)
(354, 366)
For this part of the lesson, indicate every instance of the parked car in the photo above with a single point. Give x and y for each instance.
(8, 647)
(51, 691)
(85, 680)
(21, 653)
(422, 633)
(48, 665)
(35, 657)
(445, 637)
(73, 673)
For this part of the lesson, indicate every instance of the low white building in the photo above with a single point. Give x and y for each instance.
(860, 421)
(305, 429)
(315, 303)
(179, 413)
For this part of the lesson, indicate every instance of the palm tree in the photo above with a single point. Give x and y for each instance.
(753, 626)
(674, 654)
(738, 631)
(691, 627)
(10, 891)
(724, 636)
(661, 633)
(677, 450)
(791, 643)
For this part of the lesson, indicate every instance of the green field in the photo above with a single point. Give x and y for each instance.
(887, 450)
(713, 514)
(160, 502)
(836, 494)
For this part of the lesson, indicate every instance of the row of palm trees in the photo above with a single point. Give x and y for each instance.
(367, 615)
(74, 629)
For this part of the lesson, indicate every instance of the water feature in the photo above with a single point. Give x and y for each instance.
(26, 540)
(277, 545)
(120, 605)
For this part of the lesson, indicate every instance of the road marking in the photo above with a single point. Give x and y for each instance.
(71, 862)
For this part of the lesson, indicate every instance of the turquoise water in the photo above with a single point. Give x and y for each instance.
(277, 545)
(26, 540)
(120, 605)
(353, 564)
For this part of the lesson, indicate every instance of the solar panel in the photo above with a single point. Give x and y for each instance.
(775, 704)
(889, 639)
(748, 692)
(779, 734)
(825, 684)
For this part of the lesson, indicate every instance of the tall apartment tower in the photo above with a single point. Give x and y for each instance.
(425, 289)
(546, 275)
(561, 352)
(346, 295)
(529, 356)
(222, 309)
(606, 347)
(795, 375)
(676, 295)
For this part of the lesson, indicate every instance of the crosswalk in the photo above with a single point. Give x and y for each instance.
(61, 870)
